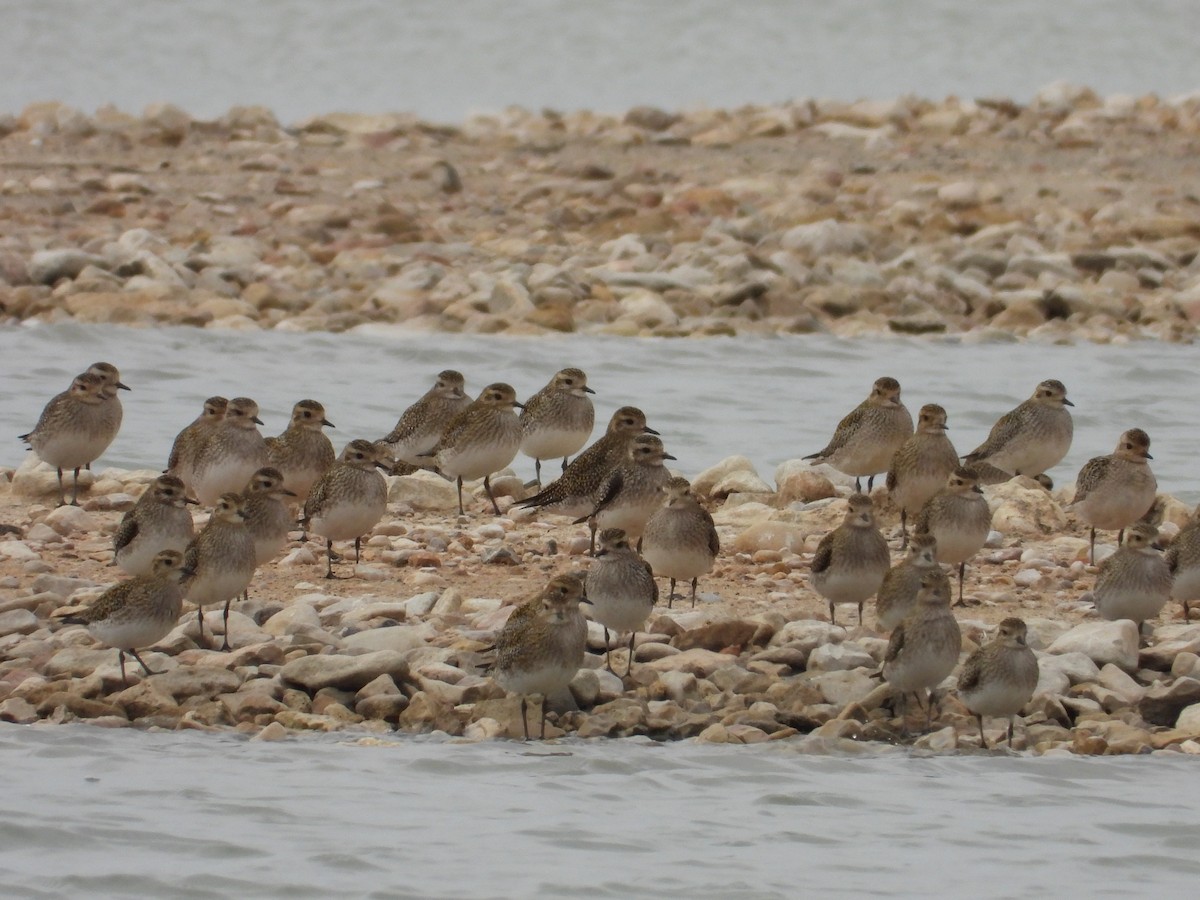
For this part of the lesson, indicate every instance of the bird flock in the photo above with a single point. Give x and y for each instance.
(644, 523)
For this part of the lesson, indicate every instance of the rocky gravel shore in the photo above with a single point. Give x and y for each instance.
(402, 645)
(1072, 217)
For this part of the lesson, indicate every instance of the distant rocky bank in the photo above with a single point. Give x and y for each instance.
(1073, 217)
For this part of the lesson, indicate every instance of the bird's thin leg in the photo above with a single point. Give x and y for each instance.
(565, 461)
(629, 664)
(537, 472)
(982, 738)
(962, 572)
(592, 529)
(358, 550)
(832, 614)
(524, 720)
(487, 486)
(695, 581)
(903, 529)
(860, 607)
(1121, 537)
(121, 659)
(542, 736)
(1092, 544)
(141, 662)
(329, 558)
(1010, 732)
(62, 497)
(200, 619)
(929, 713)
(857, 485)
(225, 619)
(460, 506)
(607, 651)
(870, 483)
(671, 595)
(75, 487)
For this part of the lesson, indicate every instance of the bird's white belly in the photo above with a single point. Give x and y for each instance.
(996, 699)
(924, 671)
(347, 521)
(71, 449)
(222, 476)
(554, 443)
(218, 587)
(1186, 585)
(848, 587)
(540, 680)
(137, 558)
(955, 545)
(1137, 605)
(478, 461)
(133, 634)
(678, 562)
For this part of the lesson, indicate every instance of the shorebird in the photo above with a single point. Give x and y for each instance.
(557, 420)
(924, 648)
(232, 452)
(920, 467)
(999, 678)
(181, 463)
(851, 561)
(572, 494)
(219, 563)
(303, 453)
(1114, 491)
(266, 503)
(421, 425)
(622, 589)
(480, 441)
(869, 435)
(959, 519)
(541, 647)
(137, 612)
(631, 492)
(680, 541)
(1135, 582)
(74, 429)
(160, 520)
(898, 593)
(1183, 559)
(1032, 438)
(349, 499)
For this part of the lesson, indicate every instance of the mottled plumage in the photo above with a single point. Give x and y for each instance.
(999, 678)
(924, 648)
(1032, 438)
(541, 647)
(267, 505)
(1183, 559)
(187, 443)
(680, 541)
(631, 492)
(1135, 582)
(558, 419)
(219, 563)
(852, 560)
(573, 493)
(303, 453)
(421, 425)
(350, 498)
(622, 589)
(898, 593)
(867, 438)
(75, 427)
(920, 467)
(480, 441)
(959, 519)
(137, 612)
(1112, 492)
(231, 452)
(160, 520)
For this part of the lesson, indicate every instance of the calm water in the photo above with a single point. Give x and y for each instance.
(90, 811)
(443, 60)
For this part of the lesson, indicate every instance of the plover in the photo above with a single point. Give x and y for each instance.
(1032, 438)
(924, 648)
(1113, 492)
(480, 441)
(898, 593)
(302, 453)
(137, 612)
(920, 467)
(680, 541)
(999, 678)
(572, 494)
(233, 451)
(959, 519)
(631, 492)
(1183, 559)
(187, 443)
(349, 499)
(74, 429)
(867, 438)
(1135, 582)
(541, 647)
(557, 420)
(267, 505)
(421, 425)
(160, 520)
(622, 590)
(852, 560)
(219, 563)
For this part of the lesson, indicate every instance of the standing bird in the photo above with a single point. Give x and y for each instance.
(868, 437)
(622, 590)
(924, 648)
(1135, 582)
(73, 430)
(999, 678)
(1031, 439)
(233, 451)
(219, 563)
(113, 411)
(959, 519)
(137, 612)
(631, 492)
(480, 441)
(160, 520)
(1183, 559)
(898, 593)
(266, 503)
(852, 560)
(1113, 492)
(571, 495)
(680, 541)
(921, 465)
(557, 420)
(420, 426)
(303, 453)
(349, 499)
(541, 647)
(187, 443)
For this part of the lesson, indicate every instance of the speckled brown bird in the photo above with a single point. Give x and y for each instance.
(852, 560)
(303, 453)
(349, 499)
(680, 541)
(867, 438)
(1112, 492)
(557, 420)
(160, 520)
(999, 678)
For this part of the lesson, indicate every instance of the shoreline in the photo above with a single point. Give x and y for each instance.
(1067, 218)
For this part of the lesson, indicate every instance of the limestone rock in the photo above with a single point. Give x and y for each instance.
(425, 491)
(716, 636)
(697, 661)
(1102, 642)
(346, 672)
(1163, 703)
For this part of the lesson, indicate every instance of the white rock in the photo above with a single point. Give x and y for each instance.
(705, 482)
(395, 637)
(825, 238)
(1189, 719)
(1102, 642)
(70, 519)
(647, 309)
(294, 618)
(425, 491)
(839, 657)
